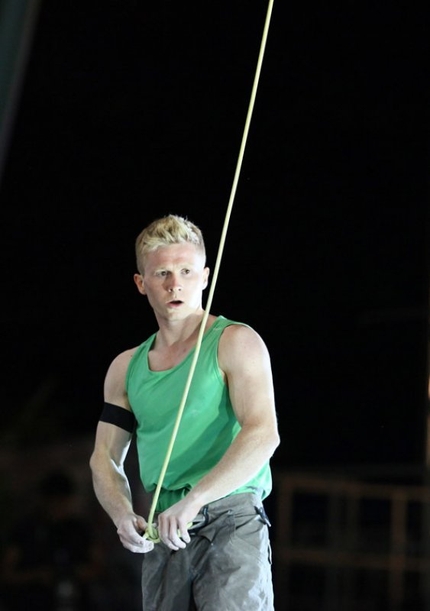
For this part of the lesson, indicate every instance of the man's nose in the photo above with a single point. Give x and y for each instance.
(174, 284)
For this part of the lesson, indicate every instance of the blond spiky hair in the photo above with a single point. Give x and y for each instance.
(170, 229)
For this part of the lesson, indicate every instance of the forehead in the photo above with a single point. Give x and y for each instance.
(175, 255)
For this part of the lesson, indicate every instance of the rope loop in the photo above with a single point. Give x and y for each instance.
(151, 534)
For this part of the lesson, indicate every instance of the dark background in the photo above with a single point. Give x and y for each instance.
(132, 110)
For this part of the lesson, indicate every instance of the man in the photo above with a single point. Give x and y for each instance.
(214, 550)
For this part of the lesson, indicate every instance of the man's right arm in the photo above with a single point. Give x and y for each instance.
(110, 482)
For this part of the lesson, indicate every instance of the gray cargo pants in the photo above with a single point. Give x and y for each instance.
(225, 567)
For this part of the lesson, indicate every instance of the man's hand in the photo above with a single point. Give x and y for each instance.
(173, 524)
(130, 530)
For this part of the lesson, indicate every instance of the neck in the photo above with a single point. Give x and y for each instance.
(179, 331)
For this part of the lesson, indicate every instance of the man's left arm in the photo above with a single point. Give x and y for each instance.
(245, 363)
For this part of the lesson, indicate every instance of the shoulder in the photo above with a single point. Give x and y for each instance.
(236, 333)
(114, 385)
(240, 343)
(121, 362)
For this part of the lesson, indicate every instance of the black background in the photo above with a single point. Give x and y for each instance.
(130, 111)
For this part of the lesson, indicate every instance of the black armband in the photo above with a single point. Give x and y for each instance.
(119, 416)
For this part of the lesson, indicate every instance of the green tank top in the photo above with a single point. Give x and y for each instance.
(208, 424)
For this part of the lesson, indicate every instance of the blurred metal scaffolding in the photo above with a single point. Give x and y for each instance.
(354, 544)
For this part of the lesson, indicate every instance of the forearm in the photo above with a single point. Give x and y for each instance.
(111, 488)
(113, 492)
(248, 453)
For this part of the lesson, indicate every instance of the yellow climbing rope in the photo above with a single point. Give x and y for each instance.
(151, 532)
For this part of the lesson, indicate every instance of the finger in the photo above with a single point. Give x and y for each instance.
(171, 539)
(184, 534)
(175, 537)
(141, 546)
(140, 524)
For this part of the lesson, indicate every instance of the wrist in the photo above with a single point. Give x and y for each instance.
(198, 498)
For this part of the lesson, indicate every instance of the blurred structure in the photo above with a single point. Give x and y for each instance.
(18, 20)
(51, 559)
(347, 543)
(73, 531)
(355, 538)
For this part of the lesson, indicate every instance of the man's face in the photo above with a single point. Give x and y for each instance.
(174, 279)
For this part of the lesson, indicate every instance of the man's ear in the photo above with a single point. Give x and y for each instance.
(206, 273)
(139, 282)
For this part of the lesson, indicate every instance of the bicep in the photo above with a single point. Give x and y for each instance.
(112, 441)
(114, 384)
(246, 363)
